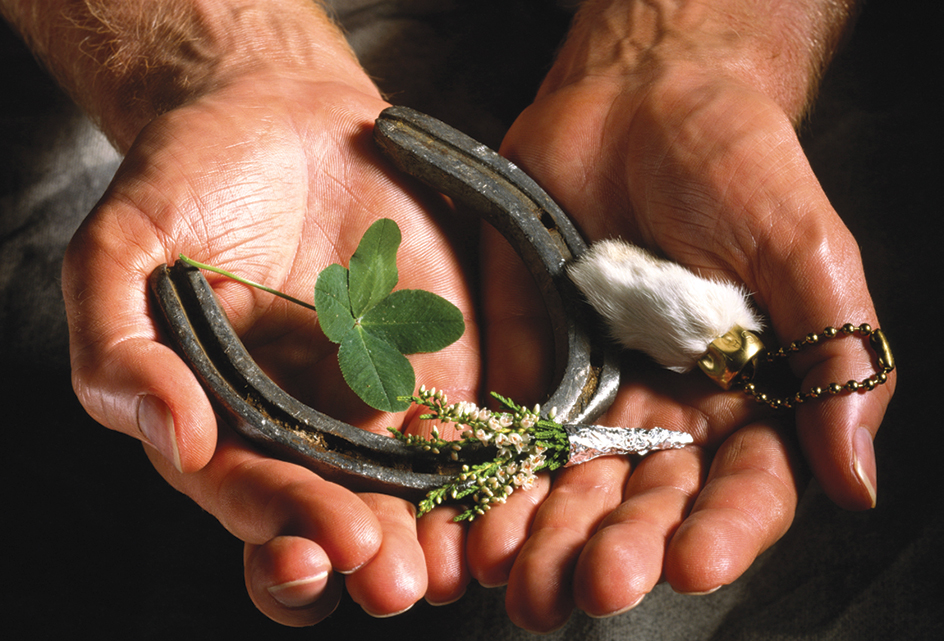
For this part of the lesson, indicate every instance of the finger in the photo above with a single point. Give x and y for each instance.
(258, 499)
(290, 580)
(747, 504)
(820, 284)
(623, 561)
(123, 377)
(395, 578)
(497, 537)
(837, 433)
(444, 543)
(540, 589)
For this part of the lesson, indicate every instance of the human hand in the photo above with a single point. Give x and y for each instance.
(680, 149)
(248, 144)
(272, 178)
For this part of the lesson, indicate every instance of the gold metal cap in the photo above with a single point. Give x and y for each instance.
(729, 355)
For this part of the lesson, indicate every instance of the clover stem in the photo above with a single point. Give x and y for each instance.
(239, 279)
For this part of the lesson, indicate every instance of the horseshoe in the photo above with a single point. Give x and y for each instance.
(474, 177)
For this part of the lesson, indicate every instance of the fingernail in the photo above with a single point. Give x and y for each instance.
(437, 604)
(618, 612)
(387, 616)
(492, 586)
(702, 593)
(157, 425)
(351, 570)
(864, 453)
(301, 592)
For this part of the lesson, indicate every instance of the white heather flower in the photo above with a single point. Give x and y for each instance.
(518, 441)
(524, 481)
(533, 462)
(502, 442)
(465, 408)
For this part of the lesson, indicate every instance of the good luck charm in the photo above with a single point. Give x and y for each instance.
(678, 318)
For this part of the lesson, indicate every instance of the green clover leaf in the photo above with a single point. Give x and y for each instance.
(415, 321)
(333, 303)
(373, 267)
(376, 326)
(373, 325)
(376, 370)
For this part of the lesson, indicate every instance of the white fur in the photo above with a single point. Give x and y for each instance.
(658, 306)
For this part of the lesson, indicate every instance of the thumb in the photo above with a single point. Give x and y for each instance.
(836, 432)
(123, 377)
(817, 285)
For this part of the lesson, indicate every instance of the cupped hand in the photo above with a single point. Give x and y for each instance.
(705, 169)
(272, 178)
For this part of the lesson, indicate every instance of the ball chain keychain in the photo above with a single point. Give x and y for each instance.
(719, 360)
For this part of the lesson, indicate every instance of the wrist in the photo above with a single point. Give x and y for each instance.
(779, 49)
(128, 61)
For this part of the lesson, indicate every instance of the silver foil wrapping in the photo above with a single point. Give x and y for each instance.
(587, 442)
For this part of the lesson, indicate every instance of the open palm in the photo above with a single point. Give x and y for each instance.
(708, 172)
(273, 180)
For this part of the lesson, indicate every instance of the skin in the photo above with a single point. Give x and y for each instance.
(296, 199)
(261, 163)
(247, 142)
(683, 141)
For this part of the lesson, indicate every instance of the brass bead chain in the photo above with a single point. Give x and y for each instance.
(876, 339)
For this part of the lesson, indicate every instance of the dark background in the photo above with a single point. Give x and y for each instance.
(95, 542)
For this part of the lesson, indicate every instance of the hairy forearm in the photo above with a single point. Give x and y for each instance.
(127, 61)
(782, 47)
